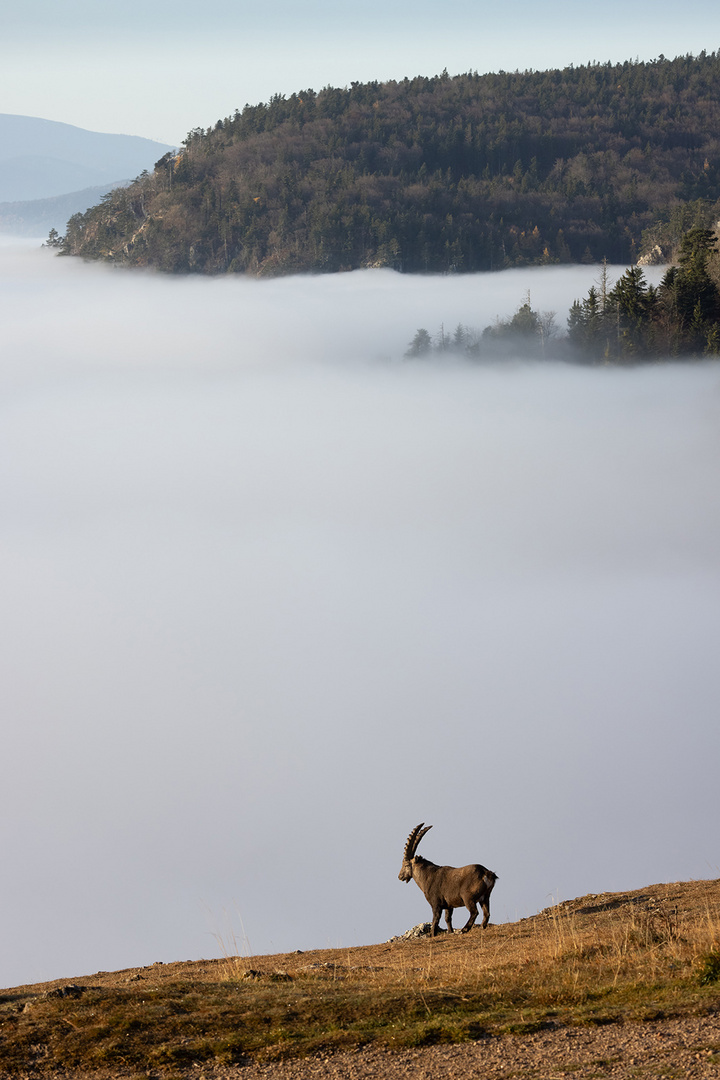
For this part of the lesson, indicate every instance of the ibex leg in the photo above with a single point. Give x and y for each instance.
(472, 908)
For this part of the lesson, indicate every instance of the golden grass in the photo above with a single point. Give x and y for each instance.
(613, 958)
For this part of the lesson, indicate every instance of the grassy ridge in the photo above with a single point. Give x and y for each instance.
(636, 956)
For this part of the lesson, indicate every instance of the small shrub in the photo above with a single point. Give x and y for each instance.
(709, 967)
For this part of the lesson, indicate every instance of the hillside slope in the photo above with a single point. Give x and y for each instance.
(618, 979)
(440, 174)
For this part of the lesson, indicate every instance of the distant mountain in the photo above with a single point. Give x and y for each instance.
(40, 159)
(38, 216)
(464, 173)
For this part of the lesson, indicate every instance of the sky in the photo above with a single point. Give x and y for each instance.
(158, 68)
(270, 596)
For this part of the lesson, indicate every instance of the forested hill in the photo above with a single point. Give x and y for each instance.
(462, 173)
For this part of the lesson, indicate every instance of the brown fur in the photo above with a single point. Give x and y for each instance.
(447, 887)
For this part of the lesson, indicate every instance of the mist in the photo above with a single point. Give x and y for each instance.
(271, 596)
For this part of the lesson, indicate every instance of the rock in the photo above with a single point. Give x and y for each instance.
(655, 257)
(421, 930)
(70, 990)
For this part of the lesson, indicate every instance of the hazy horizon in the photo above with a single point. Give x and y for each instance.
(272, 596)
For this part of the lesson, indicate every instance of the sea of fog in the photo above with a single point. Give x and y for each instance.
(271, 596)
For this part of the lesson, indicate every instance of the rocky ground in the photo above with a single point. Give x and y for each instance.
(650, 1051)
(688, 1048)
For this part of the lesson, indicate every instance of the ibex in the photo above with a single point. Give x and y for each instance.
(447, 887)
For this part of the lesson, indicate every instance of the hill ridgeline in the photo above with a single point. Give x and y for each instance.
(465, 173)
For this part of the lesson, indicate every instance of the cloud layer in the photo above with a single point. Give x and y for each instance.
(272, 596)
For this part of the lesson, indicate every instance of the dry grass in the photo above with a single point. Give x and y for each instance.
(633, 956)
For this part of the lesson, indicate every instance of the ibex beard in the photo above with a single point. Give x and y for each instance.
(447, 887)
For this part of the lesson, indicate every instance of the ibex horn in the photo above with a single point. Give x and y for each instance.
(414, 839)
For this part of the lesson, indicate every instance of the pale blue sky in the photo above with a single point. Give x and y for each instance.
(158, 69)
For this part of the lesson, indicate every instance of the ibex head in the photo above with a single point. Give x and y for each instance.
(406, 870)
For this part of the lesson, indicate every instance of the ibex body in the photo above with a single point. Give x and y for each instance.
(447, 887)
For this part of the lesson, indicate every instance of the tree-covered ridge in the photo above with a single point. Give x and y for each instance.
(466, 173)
(628, 321)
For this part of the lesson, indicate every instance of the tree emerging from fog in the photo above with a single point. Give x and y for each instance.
(635, 320)
(626, 321)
